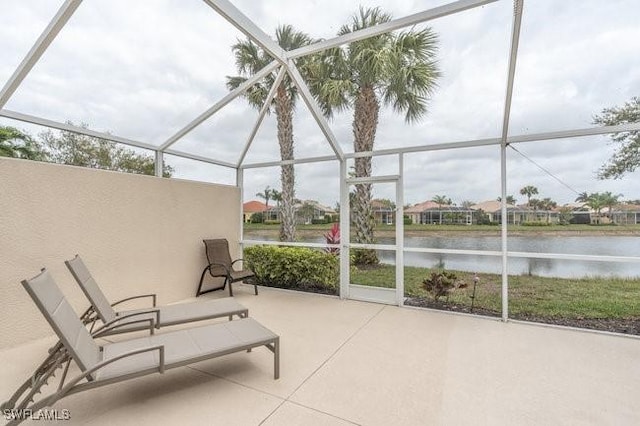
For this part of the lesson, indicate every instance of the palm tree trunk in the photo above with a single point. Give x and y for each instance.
(284, 114)
(365, 123)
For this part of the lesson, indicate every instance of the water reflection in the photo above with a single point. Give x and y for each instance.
(591, 245)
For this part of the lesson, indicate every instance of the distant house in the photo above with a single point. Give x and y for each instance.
(516, 215)
(626, 214)
(429, 212)
(306, 211)
(417, 212)
(383, 213)
(251, 207)
(622, 214)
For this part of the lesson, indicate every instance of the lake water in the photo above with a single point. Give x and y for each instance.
(588, 245)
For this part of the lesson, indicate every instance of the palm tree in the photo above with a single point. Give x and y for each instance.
(17, 144)
(582, 197)
(250, 58)
(276, 196)
(547, 204)
(609, 200)
(528, 191)
(441, 200)
(596, 202)
(398, 70)
(266, 195)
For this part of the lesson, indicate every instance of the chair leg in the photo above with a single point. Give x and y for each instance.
(255, 287)
(228, 281)
(199, 292)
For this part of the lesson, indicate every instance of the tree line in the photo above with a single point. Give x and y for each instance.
(76, 150)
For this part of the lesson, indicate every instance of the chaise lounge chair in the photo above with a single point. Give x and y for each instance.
(116, 362)
(221, 265)
(135, 319)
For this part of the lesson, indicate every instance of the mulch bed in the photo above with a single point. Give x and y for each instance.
(614, 325)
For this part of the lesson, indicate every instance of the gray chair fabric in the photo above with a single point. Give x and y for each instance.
(220, 265)
(123, 360)
(168, 314)
(63, 320)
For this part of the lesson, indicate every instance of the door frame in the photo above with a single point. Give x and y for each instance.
(394, 296)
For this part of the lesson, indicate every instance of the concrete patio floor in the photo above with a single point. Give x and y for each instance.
(348, 362)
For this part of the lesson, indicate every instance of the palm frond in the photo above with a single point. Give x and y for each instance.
(411, 72)
(234, 81)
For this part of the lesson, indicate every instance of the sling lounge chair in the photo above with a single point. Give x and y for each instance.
(166, 315)
(124, 360)
(221, 265)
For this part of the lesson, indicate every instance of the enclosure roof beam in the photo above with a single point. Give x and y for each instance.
(26, 118)
(74, 129)
(563, 134)
(372, 179)
(263, 112)
(314, 108)
(513, 57)
(296, 161)
(215, 108)
(245, 25)
(40, 46)
(201, 158)
(533, 137)
(416, 18)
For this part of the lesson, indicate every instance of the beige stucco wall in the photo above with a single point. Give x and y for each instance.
(137, 234)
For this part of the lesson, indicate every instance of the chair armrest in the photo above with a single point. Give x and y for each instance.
(86, 374)
(228, 272)
(115, 323)
(237, 260)
(153, 296)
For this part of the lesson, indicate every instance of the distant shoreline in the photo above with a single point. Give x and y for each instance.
(308, 231)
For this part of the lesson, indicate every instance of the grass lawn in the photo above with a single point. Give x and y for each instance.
(530, 295)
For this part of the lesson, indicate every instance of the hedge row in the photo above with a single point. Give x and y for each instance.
(294, 267)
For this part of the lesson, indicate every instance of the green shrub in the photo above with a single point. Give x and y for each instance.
(536, 223)
(407, 220)
(257, 218)
(320, 221)
(272, 222)
(294, 267)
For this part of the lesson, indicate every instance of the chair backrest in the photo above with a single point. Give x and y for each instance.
(90, 289)
(63, 319)
(218, 252)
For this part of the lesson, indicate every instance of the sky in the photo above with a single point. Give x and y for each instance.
(145, 69)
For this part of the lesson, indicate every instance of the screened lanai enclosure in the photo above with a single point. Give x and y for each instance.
(519, 85)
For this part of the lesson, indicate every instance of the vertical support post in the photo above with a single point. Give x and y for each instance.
(159, 164)
(513, 56)
(400, 232)
(240, 185)
(345, 239)
(503, 231)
